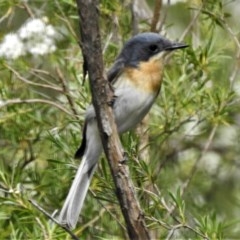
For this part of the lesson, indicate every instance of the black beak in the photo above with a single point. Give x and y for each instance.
(175, 45)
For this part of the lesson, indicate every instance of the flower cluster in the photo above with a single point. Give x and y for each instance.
(35, 37)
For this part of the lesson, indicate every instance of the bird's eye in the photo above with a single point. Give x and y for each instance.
(153, 48)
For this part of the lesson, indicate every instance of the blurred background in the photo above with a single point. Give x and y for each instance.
(183, 158)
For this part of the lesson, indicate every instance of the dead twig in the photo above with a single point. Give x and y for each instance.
(66, 92)
(34, 100)
(74, 237)
(23, 79)
(156, 15)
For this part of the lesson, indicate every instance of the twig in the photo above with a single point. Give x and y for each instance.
(38, 73)
(163, 224)
(34, 100)
(171, 232)
(66, 92)
(143, 134)
(92, 221)
(193, 171)
(195, 166)
(237, 63)
(156, 15)
(102, 211)
(180, 225)
(164, 17)
(31, 158)
(191, 24)
(42, 227)
(172, 228)
(135, 20)
(9, 11)
(65, 19)
(186, 31)
(232, 34)
(23, 79)
(53, 219)
(28, 9)
(235, 71)
(108, 211)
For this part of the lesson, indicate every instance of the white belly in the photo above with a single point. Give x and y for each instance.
(131, 106)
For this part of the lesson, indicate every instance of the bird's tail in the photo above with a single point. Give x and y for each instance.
(74, 202)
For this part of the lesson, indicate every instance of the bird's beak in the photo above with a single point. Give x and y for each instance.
(174, 46)
(168, 47)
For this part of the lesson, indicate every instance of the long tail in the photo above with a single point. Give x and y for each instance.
(76, 196)
(78, 191)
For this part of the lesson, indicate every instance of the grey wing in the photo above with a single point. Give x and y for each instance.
(115, 70)
(90, 115)
(112, 76)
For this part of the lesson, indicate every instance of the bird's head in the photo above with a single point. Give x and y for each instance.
(145, 46)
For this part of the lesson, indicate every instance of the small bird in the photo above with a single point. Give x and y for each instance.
(136, 78)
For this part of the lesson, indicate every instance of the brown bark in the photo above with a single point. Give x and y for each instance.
(156, 15)
(102, 95)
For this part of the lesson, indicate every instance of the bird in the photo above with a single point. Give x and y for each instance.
(136, 77)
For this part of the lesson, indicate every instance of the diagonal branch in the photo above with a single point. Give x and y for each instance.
(102, 95)
(74, 237)
(67, 92)
(34, 100)
(23, 79)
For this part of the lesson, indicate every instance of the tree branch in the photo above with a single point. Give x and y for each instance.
(23, 79)
(74, 237)
(156, 15)
(34, 100)
(102, 95)
(66, 92)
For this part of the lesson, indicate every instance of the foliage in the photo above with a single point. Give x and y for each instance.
(188, 187)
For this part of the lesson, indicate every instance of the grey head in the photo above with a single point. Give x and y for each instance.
(141, 48)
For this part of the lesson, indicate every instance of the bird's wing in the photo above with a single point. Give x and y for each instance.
(90, 116)
(112, 76)
(80, 152)
(115, 70)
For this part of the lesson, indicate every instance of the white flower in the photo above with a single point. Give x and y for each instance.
(40, 46)
(35, 28)
(35, 37)
(32, 27)
(50, 31)
(11, 47)
(24, 33)
(39, 37)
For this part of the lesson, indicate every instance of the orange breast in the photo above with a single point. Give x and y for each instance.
(147, 77)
